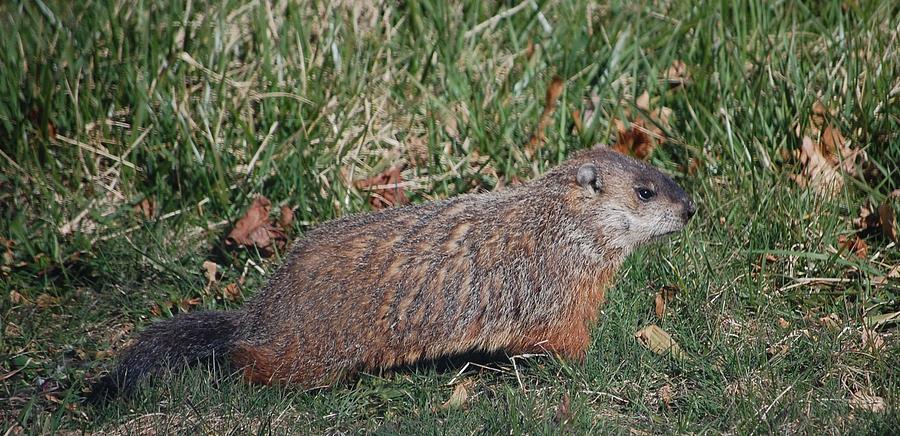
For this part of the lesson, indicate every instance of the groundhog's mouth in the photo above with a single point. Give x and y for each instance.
(662, 236)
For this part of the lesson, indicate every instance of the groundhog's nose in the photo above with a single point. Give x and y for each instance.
(688, 211)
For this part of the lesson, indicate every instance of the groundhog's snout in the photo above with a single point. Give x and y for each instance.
(688, 211)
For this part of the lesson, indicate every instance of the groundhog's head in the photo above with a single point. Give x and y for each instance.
(628, 202)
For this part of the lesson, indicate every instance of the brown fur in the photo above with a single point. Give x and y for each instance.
(518, 271)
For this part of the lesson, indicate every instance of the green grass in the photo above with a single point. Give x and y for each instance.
(342, 92)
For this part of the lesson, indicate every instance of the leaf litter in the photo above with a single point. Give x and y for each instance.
(825, 155)
(257, 230)
(643, 130)
(663, 297)
(659, 341)
(384, 189)
(460, 395)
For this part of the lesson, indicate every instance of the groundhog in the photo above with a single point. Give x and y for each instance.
(521, 270)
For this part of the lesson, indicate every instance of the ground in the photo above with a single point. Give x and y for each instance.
(134, 135)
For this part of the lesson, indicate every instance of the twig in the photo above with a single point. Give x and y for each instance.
(257, 267)
(466, 366)
(184, 56)
(98, 152)
(278, 94)
(461, 371)
(496, 19)
(599, 393)
(763, 417)
(122, 157)
(815, 281)
(541, 18)
(516, 370)
(11, 161)
(68, 227)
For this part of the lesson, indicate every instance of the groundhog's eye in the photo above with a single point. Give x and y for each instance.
(645, 194)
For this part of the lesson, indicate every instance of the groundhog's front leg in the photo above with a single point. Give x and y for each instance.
(570, 342)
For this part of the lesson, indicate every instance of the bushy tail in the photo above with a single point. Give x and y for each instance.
(171, 344)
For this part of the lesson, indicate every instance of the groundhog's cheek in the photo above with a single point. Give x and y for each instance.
(615, 221)
(672, 221)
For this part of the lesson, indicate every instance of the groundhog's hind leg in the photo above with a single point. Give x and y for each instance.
(276, 363)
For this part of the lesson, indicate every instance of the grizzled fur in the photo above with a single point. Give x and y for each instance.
(520, 270)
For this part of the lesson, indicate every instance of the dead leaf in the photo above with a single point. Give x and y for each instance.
(576, 118)
(211, 269)
(892, 275)
(12, 330)
(639, 136)
(677, 74)
(255, 217)
(146, 208)
(868, 224)
(563, 411)
(102, 354)
(777, 349)
(832, 139)
(825, 161)
(658, 341)
(830, 321)
(818, 172)
(665, 394)
(417, 148)
(783, 324)
(255, 229)
(663, 297)
(8, 256)
(871, 339)
(231, 292)
(818, 117)
(45, 300)
(643, 101)
(863, 401)
(118, 332)
(16, 298)
(894, 272)
(855, 245)
(767, 258)
(554, 90)
(590, 106)
(886, 219)
(185, 304)
(876, 321)
(451, 126)
(877, 221)
(691, 168)
(384, 189)
(286, 218)
(459, 396)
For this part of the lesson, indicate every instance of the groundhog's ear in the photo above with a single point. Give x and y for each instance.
(588, 177)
